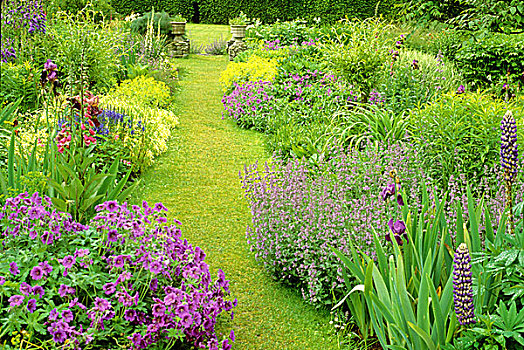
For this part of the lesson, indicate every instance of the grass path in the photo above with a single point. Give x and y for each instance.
(197, 179)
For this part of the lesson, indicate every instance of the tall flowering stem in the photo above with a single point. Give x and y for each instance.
(509, 159)
(462, 289)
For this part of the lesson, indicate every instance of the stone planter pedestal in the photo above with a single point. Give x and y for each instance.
(236, 44)
(180, 45)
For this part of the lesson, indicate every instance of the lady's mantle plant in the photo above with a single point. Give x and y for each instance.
(128, 279)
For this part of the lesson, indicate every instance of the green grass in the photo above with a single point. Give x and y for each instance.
(197, 179)
(202, 34)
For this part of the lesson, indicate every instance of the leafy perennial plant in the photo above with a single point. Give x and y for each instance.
(126, 279)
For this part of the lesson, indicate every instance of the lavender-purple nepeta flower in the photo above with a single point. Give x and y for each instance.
(508, 147)
(462, 289)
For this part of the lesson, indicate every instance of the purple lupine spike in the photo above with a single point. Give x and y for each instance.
(462, 290)
(508, 147)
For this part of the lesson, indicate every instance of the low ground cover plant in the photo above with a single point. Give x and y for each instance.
(128, 278)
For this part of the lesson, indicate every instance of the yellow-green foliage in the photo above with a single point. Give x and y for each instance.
(31, 182)
(144, 90)
(256, 68)
(141, 99)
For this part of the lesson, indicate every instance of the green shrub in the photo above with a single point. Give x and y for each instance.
(161, 19)
(82, 48)
(286, 32)
(19, 81)
(486, 60)
(357, 52)
(74, 6)
(404, 87)
(460, 133)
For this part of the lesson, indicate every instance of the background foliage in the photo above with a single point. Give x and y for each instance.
(268, 11)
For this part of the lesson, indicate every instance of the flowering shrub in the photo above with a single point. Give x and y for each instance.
(255, 69)
(249, 104)
(144, 127)
(128, 279)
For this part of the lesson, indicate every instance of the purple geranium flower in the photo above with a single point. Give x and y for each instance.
(67, 315)
(25, 288)
(13, 268)
(130, 315)
(37, 273)
(109, 288)
(31, 305)
(112, 235)
(68, 261)
(38, 290)
(159, 310)
(16, 300)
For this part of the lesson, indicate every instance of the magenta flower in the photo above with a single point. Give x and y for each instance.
(109, 288)
(112, 235)
(111, 206)
(155, 267)
(67, 315)
(2, 280)
(16, 300)
(38, 290)
(13, 268)
(37, 273)
(25, 288)
(159, 310)
(130, 315)
(63, 290)
(46, 267)
(68, 261)
(31, 305)
(102, 304)
(186, 320)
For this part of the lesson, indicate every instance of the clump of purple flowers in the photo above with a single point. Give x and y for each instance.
(462, 289)
(298, 213)
(7, 52)
(18, 17)
(249, 104)
(134, 264)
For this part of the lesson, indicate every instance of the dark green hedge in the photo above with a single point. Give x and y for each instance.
(219, 11)
(173, 7)
(268, 11)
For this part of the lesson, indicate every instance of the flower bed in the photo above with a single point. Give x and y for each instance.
(126, 279)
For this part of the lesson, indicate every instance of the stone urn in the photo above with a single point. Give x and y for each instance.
(180, 45)
(238, 31)
(178, 28)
